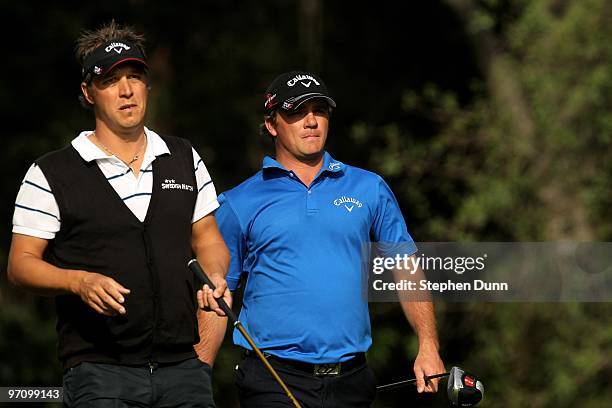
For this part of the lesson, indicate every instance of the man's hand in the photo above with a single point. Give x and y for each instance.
(207, 298)
(421, 316)
(210, 250)
(27, 268)
(428, 362)
(101, 293)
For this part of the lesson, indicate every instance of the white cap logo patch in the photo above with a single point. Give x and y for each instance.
(301, 79)
(117, 47)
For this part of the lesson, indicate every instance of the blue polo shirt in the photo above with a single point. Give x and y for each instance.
(301, 249)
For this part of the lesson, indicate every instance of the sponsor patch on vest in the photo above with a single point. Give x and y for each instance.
(171, 184)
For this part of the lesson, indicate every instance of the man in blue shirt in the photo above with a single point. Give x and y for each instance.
(297, 229)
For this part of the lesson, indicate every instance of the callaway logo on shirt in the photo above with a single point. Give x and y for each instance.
(349, 203)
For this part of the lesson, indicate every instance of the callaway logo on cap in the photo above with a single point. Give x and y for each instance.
(117, 47)
(291, 89)
(110, 54)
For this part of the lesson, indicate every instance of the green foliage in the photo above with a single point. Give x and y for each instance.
(28, 344)
(539, 170)
(491, 124)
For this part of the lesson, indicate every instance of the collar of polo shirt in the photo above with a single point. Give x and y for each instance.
(329, 164)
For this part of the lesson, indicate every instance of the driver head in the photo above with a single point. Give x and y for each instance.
(464, 389)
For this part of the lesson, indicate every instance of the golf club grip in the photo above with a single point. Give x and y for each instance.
(195, 267)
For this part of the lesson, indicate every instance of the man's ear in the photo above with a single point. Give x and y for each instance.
(271, 126)
(86, 94)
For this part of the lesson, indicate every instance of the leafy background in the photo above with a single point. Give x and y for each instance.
(491, 120)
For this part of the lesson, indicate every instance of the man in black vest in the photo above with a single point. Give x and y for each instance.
(107, 226)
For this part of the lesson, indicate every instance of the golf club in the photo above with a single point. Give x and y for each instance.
(199, 272)
(464, 389)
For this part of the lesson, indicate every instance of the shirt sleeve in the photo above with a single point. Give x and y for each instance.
(389, 228)
(207, 195)
(36, 211)
(235, 239)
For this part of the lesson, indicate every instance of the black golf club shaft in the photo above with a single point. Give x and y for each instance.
(398, 384)
(195, 267)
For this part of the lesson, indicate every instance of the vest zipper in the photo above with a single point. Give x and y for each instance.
(155, 282)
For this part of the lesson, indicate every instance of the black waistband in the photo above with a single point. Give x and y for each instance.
(136, 358)
(358, 360)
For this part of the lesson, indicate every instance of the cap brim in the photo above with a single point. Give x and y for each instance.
(306, 97)
(123, 61)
